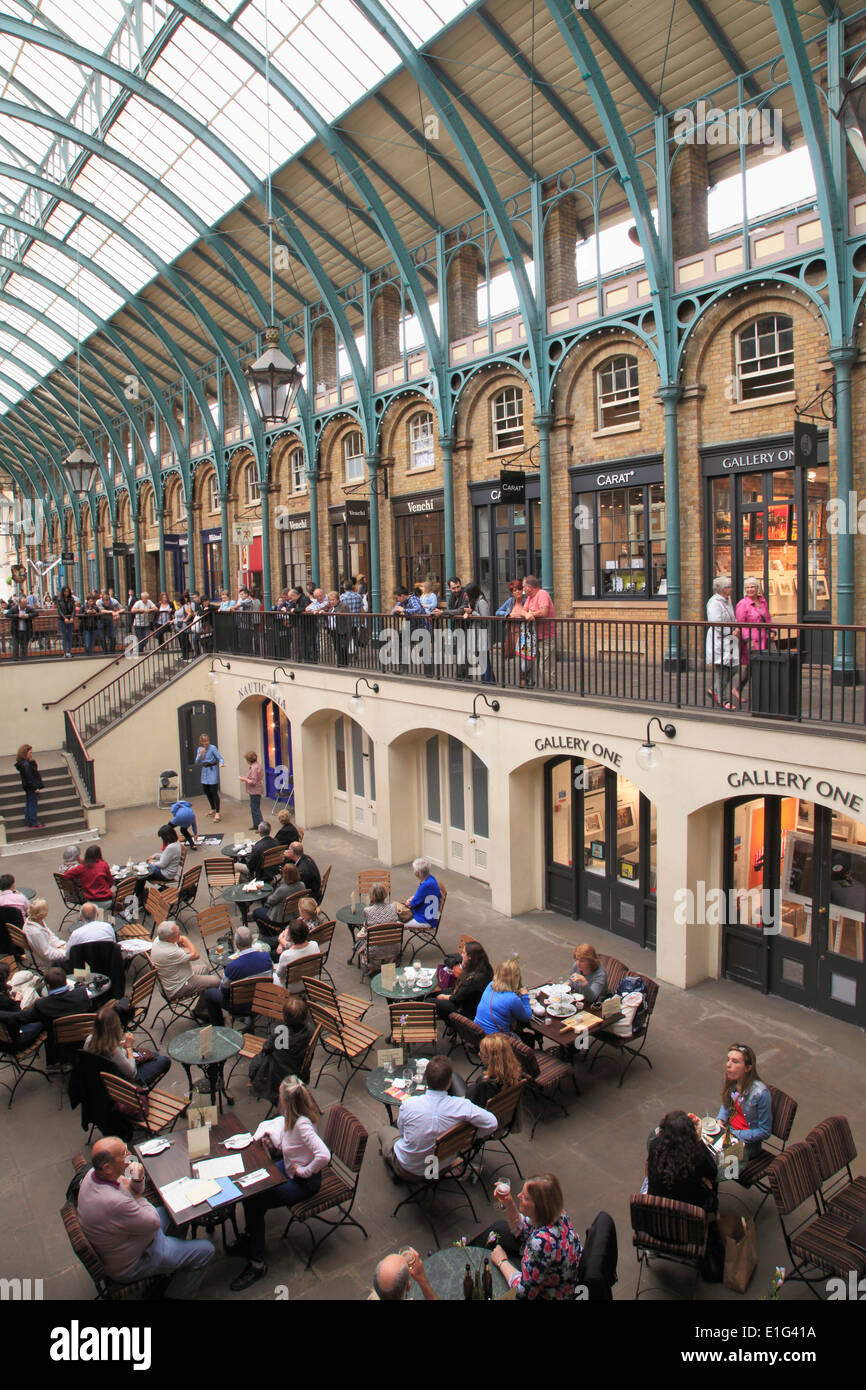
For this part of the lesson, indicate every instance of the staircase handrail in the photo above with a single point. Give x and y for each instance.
(139, 668)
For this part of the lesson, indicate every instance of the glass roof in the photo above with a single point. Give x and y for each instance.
(324, 47)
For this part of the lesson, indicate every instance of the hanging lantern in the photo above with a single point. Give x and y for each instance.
(274, 380)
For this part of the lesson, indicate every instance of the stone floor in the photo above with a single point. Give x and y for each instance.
(598, 1151)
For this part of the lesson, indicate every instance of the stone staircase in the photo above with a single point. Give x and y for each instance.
(60, 808)
(110, 705)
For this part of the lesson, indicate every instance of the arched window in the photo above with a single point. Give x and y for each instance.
(765, 357)
(297, 472)
(508, 419)
(616, 392)
(421, 441)
(353, 456)
(213, 494)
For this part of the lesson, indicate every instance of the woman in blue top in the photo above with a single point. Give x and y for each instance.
(211, 761)
(746, 1101)
(504, 1003)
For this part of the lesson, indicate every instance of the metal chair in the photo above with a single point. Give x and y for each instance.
(816, 1242)
(346, 1006)
(639, 1036)
(833, 1148)
(153, 1110)
(615, 971)
(346, 1138)
(343, 1041)
(323, 936)
(666, 1230)
(454, 1146)
(471, 1035)
(179, 1007)
(22, 1060)
(428, 933)
(545, 1073)
(325, 876)
(220, 873)
(413, 1023)
(754, 1172)
(106, 1289)
(504, 1106)
(72, 895)
(166, 786)
(140, 996)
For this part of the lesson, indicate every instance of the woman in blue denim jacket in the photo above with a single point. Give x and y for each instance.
(746, 1100)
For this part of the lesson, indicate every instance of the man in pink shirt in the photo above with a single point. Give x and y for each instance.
(127, 1233)
(539, 608)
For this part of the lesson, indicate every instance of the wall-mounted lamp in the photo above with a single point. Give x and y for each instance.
(275, 689)
(473, 720)
(213, 674)
(355, 700)
(648, 754)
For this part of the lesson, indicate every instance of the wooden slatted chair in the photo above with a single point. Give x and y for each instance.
(153, 1110)
(123, 890)
(504, 1106)
(325, 876)
(426, 935)
(72, 896)
(817, 1244)
(545, 1073)
(21, 946)
(184, 851)
(346, 1006)
(215, 923)
(220, 873)
(69, 1032)
(350, 1042)
(106, 1289)
(368, 878)
(300, 971)
(158, 904)
(452, 1153)
(189, 886)
(290, 906)
(666, 1230)
(346, 1138)
(239, 995)
(266, 1004)
(21, 1060)
(273, 861)
(421, 1025)
(323, 936)
(384, 946)
(834, 1150)
(140, 996)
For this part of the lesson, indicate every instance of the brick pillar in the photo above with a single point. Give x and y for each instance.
(324, 355)
(560, 239)
(463, 292)
(387, 312)
(689, 200)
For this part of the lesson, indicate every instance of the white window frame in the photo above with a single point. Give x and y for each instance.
(297, 472)
(617, 392)
(151, 508)
(251, 485)
(353, 464)
(421, 448)
(507, 419)
(213, 494)
(769, 372)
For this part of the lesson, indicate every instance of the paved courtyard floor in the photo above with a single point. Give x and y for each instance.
(598, 1151)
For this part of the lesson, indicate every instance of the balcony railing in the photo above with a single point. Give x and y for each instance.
(812, 673)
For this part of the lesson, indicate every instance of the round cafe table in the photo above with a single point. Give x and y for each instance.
(245, 898)
(446, 1270)
(225, 1044)
(354, 920)
(402, 990)
(98, 987)
(378, 1082)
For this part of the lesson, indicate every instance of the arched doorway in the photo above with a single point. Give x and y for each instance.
(264, 728)
(354, 777)
(456, 812)
(794, 904)
(600, 845)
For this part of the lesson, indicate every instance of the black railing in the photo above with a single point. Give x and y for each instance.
(811, 673)
(144, 674)
(80, 756)
(44, 638)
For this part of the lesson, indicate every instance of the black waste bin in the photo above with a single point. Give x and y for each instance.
(775, 683)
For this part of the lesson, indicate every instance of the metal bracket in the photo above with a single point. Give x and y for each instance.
(807, 412)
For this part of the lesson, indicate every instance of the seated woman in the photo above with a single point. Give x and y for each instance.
(504, 1002)
(746, 1102)
(538, 1252)
(679, 1166)
(109, 1040)
(94, 877)
(475, 975)
(166, 864)
(501, 1070)
(16, 994)
(299, 946)
(270, 915)
(288, 831)
(589, 975)
(283, 1052)
(380, 913)
(302, 1158)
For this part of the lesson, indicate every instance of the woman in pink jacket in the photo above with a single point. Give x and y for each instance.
(254, 781)
(753, 610)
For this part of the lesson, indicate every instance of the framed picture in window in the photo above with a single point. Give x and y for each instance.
(624, 818)
(596, 849)
(805, 815)
(592, 823)
(594, 779)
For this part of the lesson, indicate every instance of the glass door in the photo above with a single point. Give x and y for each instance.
(277, 741)
(457, 813)
(350, 552)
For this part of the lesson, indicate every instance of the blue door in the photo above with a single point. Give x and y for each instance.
(277, 743)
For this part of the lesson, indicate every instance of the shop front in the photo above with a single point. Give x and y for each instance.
(600, 848)
(296, 566)
(212, 561)
(768, 521)
(619, 530)
(419, 539)
(506, 538)
(176, 562)
(795, 900)
(123, 578)
(350, 541)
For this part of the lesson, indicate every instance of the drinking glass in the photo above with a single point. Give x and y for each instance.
(502, 1190)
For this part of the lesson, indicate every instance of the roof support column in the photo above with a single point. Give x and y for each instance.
(134, 515)
(224, 527)
(264, 498)
(158, 500)
(671, 395)
(446, 444)
(375, 577)
(542, 422)
(844, 661)
(313, 491)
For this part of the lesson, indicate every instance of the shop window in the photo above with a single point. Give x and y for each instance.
(765, 357)
(508, 419)
(353, 456)
(621, 547)
(213, 493)
(616, 392)
(251, 485)
(297, 472)
(421, 442)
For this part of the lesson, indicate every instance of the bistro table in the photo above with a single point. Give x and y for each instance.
(402, 990)
(225, 1043)
(245, 898)
(98, 986)
(354, 920)
(378, 1082)
(239, 853)
(446, 1270)
(29, 893)
(174, 1163)
(590, 1020)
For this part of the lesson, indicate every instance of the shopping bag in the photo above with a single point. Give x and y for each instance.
(741, 1251)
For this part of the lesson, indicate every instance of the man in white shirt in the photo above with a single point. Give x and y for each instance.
(141, 611)
(422, 1120)
(90, 928)
(173, 956)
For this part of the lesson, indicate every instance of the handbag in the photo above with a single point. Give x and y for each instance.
(741, 1251)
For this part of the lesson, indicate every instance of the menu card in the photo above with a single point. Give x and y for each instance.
(389, 976)
(206, 1041)
(198, 1140)
(389, 1054)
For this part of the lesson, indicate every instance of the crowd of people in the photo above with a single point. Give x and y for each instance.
(99, 622)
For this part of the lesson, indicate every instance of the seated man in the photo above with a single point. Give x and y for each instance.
(426, 903)
(421, 1120)
(307, 868)
(90, 927)
(299, 946)
(127, 1233)
(393, 1276)
(255, 863)
(248, 960)
(60, 999)
(173, 956)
